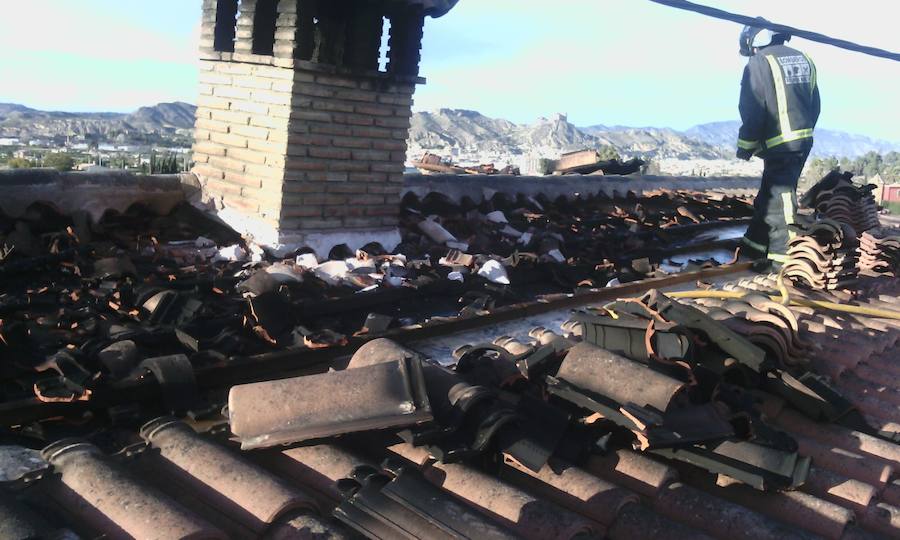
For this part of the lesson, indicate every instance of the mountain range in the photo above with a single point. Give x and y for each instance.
(162, 120)
(441, 131)
(472, 132)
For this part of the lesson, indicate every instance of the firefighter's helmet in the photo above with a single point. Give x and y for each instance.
(757, 37)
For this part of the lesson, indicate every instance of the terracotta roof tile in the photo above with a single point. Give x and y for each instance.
(107, 499)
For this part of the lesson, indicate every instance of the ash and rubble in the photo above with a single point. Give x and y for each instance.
(693, 415)
(84, 301)
(729, 393)
(645, 416)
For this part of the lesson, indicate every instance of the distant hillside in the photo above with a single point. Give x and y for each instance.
(827, 142)
(472, 132)
(655, 142)
(443, 131)
(449, 128)
(163, 119)
(165, 115)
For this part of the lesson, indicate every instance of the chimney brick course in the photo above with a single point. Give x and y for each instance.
(311, 137)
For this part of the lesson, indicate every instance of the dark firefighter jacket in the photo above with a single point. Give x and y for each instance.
(780, 102)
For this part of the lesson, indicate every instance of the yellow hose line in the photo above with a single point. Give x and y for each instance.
(782, 288)
(844, 308)
(856, 310)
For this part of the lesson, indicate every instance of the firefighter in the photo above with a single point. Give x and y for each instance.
(779, 108)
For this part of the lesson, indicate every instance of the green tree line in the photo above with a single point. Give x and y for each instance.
(59, 161)
(158, 164)
(167, 164)
(868, 165)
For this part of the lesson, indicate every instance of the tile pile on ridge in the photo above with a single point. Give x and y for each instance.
(879, 251)
(824, 255)
(847, 348)
(837, 197)
(479, 470)
(765, 323)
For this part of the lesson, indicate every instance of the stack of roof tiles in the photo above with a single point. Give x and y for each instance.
(856, 353)
(765, 323)
(823, 256)
(837, 197)
(879, 251)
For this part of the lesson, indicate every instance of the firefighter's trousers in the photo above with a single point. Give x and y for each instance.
(776, 205)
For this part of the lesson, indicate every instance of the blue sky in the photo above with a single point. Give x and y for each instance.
(625, 62)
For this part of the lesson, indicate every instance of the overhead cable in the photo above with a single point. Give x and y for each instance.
(778, 28)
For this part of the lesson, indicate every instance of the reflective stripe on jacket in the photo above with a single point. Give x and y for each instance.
(780, 101)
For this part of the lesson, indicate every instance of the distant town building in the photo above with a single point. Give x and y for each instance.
(885, 191)
(891, 193)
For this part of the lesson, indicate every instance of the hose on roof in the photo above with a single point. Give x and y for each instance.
(866, 311)
(778, 28)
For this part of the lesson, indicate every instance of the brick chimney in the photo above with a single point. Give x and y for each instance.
(300, 138)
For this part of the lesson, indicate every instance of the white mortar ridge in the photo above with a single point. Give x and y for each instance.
(281, 243)
(323, 241)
